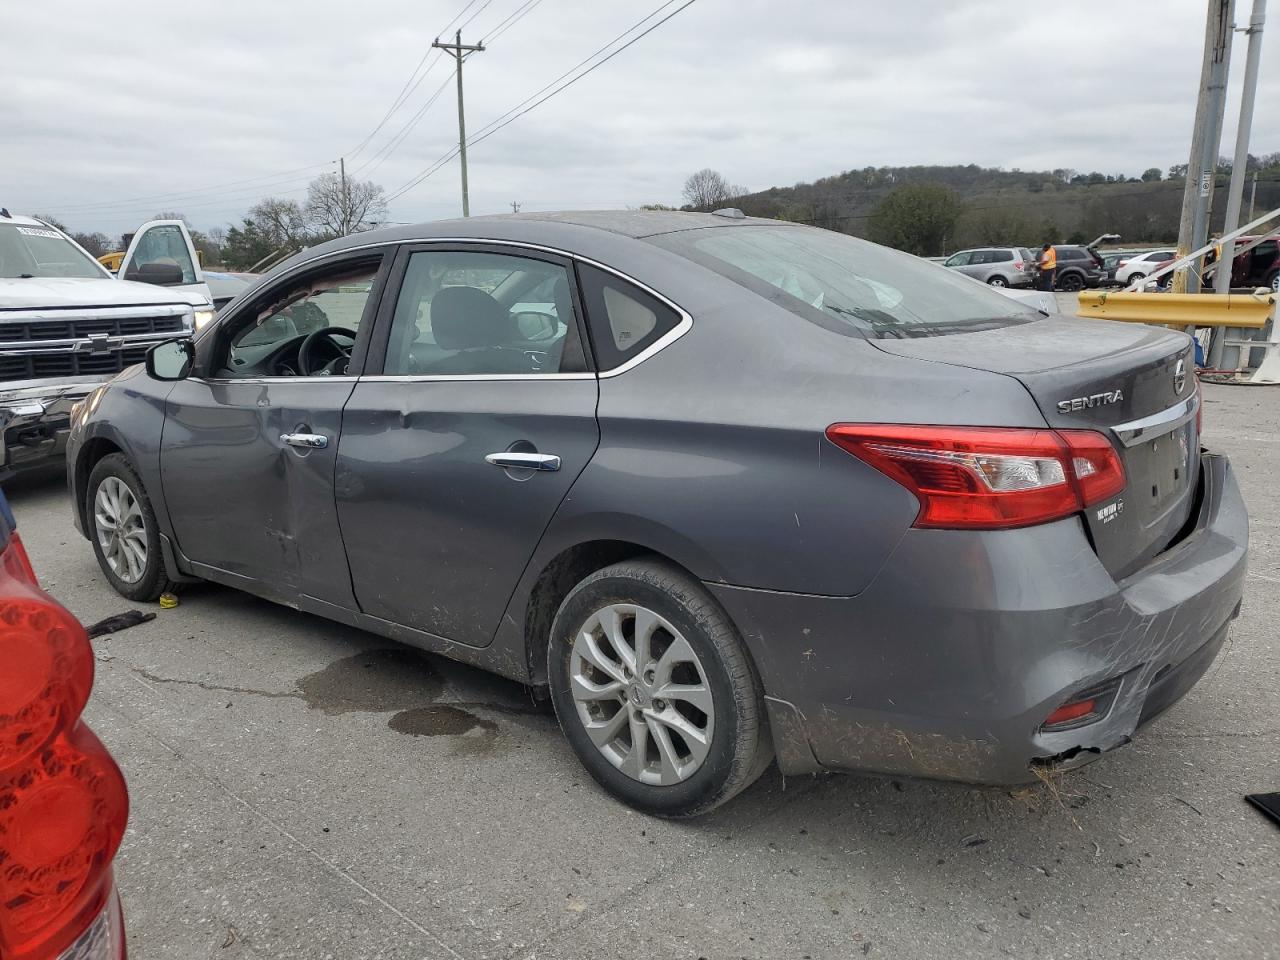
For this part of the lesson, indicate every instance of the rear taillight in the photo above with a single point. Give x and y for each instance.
(63, 803)
(1017, 264)
(988, 477)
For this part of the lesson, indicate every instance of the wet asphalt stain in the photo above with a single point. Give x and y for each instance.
(472, 735)
(375, 681)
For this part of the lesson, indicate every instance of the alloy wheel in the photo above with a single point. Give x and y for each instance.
(998, 281)
(642, 694)
(120, 528)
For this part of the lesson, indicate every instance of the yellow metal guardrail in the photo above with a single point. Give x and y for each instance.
(1180, 309)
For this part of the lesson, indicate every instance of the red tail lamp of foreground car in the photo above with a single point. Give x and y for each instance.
(989, 478)
(63, 803)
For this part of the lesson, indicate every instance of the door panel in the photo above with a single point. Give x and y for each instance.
(436, 536)
(240, 498)
(165, 242)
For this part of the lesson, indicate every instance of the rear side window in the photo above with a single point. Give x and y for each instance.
(623, 319)
(1001, 256)
(844, 284)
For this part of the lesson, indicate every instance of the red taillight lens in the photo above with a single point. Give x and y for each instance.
(1070, 712)
(1017, 264)
(63, 802)
(988, 477)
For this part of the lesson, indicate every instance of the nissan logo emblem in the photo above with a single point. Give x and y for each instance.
(1179, 376)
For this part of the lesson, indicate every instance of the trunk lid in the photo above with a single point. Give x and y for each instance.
(1134, 383)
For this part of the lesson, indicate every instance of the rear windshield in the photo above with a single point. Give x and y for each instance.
(35, 251)
(848, 285)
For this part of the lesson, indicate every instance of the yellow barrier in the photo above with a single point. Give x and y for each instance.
(1180, 309)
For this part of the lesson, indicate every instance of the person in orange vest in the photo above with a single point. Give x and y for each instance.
(1048, 264)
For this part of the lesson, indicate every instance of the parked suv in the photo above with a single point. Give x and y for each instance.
(998, 266)
(1078, 267)
(67, 325)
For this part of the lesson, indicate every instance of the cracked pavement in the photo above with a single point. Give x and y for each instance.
(301, 789)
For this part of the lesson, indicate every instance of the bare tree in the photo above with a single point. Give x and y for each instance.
(708, 189)
(338, 207)
(281, 221)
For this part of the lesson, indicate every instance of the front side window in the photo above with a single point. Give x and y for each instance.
(270, 338)
(35, 251)
(463, 313)
(165, 245)
(960, 259)
(845, 284)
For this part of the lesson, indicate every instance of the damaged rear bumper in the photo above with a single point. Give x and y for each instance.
(949, 663)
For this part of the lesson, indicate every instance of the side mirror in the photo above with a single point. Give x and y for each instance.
(161, 274)
(171, 360)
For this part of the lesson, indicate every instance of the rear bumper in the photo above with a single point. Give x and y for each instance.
(35, 421)
(948, 664)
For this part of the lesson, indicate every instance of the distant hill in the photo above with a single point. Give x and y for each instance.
(1014, 207)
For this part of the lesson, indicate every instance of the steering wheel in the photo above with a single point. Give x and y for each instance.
(310, 367)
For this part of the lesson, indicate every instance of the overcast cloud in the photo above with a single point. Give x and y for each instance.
(108, 102)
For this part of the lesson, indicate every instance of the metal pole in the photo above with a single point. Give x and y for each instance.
(1235, 191)
(458, 51)
(1193, 227)
(1253, 193)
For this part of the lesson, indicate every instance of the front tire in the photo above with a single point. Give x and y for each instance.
(122, 526)
(1274, 282)
(655, 692)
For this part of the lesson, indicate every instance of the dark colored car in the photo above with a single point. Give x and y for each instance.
(1078, 267)
(724, 487)
(1259, 267)
(63, 802)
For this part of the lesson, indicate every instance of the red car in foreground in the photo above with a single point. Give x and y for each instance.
(63, 802)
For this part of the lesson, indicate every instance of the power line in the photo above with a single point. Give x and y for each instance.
(390, 147)
(512, 19)
(463, 25)
(177, 197)
(525, 106)
(406, 90)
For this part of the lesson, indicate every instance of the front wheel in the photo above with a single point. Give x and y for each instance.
(1071, 283)
(655, 692)
(122, 526)
(1274, 282)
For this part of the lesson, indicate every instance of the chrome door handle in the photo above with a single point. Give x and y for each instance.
(308, 441)
(525, 461)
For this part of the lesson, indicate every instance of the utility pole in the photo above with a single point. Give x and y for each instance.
(1193, 229)
(515, 207)
(1235, 191)
(458, 50)
(346, 199)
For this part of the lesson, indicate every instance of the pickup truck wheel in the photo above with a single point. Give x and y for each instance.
(655, 692)
(123, 529)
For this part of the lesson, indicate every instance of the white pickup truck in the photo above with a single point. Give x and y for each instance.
(67, 325)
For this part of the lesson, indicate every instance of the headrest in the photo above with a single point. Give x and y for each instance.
(464, 318)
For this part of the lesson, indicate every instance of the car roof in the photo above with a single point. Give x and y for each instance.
(582, 232)
(22, 221)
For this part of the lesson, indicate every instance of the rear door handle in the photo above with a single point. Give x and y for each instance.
(308, 441)
(526, 461)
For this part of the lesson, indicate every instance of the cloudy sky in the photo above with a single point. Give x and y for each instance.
(112, 112)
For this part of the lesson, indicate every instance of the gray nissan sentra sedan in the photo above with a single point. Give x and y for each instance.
(727, 489)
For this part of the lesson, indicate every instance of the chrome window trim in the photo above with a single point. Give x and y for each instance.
(1136, 431)
(668, 338)
(220, 380)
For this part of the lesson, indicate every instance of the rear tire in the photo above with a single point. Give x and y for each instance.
(122, 526)
(1133, 277)
(640, 654)
(1071, 283)
(997, 281)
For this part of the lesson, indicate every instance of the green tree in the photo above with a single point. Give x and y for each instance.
(1151, 174)
(917, 218)
(245, 245)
